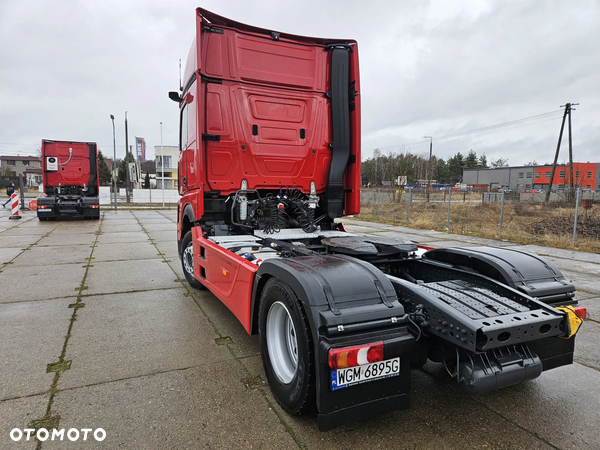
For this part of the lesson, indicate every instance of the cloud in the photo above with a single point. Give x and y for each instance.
(427, 68)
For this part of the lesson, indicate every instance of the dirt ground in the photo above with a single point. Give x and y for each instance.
(522, 222)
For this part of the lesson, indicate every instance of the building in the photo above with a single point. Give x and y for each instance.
(519, 178)
(149, 167)
(109, 163)
(585, 175)
(29, 167)
(525, 178)
(167, 160)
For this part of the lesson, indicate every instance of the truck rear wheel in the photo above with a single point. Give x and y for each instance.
(286, 348)
(187, 261)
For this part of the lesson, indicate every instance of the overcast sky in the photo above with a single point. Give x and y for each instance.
(437, 68)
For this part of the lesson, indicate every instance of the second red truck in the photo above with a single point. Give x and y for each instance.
(70, 180)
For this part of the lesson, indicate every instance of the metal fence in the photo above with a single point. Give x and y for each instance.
(466, 211)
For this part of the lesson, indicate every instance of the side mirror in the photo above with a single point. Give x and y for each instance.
(173, 95)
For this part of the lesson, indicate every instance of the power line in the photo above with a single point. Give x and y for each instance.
(506, 129)
(504, 126)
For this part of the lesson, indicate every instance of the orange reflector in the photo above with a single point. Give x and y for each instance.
(581, 312)
(341, 358)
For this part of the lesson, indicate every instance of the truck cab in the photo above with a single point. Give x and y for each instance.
(70, 180)
(269, 163)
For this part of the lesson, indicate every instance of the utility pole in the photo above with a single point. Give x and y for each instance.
(568, 107)
(135, 162)
(571, 150)
(162, 165)
(126, 161)
(428, 171)
(114, 164)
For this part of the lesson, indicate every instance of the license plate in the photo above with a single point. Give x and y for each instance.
(342, 378)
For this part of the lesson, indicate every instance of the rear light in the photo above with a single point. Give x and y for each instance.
(581, 312)
(341, 358)
(42, 207)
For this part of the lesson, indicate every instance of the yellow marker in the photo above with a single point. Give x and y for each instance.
(573, 323)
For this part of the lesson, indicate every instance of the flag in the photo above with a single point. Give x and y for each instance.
(140, 145)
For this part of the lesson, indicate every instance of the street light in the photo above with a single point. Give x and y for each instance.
(162, 165)
(127, 185)
(114, 161)
(429, 163)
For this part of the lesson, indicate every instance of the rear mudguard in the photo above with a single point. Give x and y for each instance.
(497, 333)
(530, 274)
(347, 302)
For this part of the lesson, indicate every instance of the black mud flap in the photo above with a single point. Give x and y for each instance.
(46, 208)
(90, 207)
(348, 302)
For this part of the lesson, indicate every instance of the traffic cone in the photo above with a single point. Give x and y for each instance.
(14, 201)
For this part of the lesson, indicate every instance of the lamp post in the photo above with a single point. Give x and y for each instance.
(162, 165)
(429, 163)
(114, 161)
(127, 160)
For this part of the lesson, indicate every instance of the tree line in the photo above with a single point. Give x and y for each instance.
(418, 169)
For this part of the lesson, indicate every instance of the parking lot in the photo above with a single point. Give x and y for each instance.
(98, 329)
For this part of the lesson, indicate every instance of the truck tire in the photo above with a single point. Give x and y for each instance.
(187, 261)
(286, 348)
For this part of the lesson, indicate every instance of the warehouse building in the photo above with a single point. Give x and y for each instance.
(526, 178)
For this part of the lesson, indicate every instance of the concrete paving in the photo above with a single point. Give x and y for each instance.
(98, 328)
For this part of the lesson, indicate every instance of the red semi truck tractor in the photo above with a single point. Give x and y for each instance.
(270, 158)
(70, 179)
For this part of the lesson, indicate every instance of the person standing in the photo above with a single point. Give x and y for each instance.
(9, 191)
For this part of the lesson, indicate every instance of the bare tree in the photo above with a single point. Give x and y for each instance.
(6, 171)
(500, 162)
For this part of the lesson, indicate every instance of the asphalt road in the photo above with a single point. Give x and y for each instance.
(98, 329)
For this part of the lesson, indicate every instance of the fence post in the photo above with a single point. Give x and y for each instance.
(502, 212)
(449, 197)
(576, 214)
(378, 201)
(409, 202)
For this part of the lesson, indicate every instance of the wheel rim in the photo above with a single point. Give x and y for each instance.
(188, 259)
(281, 342)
